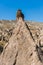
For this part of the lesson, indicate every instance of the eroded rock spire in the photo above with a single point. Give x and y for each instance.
(19, 15)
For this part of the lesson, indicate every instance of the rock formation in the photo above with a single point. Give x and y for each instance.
(22, 48)
(19, 14)
(21, 43)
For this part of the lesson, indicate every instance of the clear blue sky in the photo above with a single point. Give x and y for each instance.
(32, 9)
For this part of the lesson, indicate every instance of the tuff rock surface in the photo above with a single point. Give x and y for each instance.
(24, 45)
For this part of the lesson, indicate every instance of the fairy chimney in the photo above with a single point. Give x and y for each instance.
(19, 15)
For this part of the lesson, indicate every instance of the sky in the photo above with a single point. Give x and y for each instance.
(32, 9)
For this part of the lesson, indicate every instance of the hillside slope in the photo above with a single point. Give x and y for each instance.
(23, 43)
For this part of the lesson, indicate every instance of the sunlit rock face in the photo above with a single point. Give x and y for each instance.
(24, 45)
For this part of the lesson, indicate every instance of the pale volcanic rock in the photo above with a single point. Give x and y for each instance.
(21, 47)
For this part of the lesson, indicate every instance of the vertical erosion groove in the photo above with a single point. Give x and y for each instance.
(29, 31)
(39, 52)
(15, 59)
